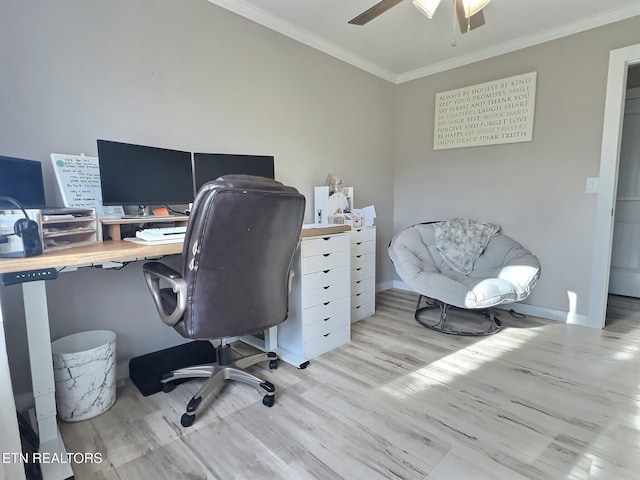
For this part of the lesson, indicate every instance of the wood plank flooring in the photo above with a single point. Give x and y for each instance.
(539, 400)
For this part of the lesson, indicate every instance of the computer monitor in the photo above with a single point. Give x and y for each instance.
(143, 176)
(21, 180)
(210, 166)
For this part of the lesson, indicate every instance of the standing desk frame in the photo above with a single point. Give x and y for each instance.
(34, 296)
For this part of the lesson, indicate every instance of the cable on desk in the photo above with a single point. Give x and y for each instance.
(186, 212)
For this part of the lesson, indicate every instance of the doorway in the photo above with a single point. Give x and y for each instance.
(625, 251)
(619, 62)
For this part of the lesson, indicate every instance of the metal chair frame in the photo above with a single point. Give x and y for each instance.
(443, 327)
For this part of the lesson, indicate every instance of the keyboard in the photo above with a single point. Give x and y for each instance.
(162, 234)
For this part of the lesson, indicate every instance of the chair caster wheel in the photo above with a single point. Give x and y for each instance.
(167, 387)
(268, 400)
(273, 364)
(187, 420)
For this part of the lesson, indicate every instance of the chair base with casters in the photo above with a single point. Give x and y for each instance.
(493, 323)
(224, 369)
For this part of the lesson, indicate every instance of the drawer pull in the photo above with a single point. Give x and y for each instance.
(359, 281)
(326, 238)
(326, 254)
(327, 287)
(326, 271)
(326, 319)
(327, 334)
(358, 243)
(326, 303)
(358, 269)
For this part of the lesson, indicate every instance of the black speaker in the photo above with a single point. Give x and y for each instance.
(27, 230)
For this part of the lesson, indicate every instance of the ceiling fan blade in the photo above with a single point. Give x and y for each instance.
(468, 24)
(373, 12)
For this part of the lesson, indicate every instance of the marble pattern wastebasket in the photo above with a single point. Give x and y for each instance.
(84, 372)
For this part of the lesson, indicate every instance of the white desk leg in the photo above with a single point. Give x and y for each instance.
(268, 344)
(39, 339)
(271, 339)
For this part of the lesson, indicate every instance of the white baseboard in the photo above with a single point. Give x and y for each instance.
(526, 309)
(550, 314)
(400, 285)
(380, 287)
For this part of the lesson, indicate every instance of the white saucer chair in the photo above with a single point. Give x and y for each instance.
(503, 272)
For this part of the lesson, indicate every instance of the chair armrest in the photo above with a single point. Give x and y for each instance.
(153, 273)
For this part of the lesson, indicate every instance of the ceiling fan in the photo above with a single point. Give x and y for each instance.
(469, 12)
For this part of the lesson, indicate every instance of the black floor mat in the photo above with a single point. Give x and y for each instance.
(146, 371)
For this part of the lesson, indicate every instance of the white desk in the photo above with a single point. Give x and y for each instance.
(38, 333)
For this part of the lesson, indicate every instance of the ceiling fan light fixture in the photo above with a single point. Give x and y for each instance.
(427, 7)
(471, 7)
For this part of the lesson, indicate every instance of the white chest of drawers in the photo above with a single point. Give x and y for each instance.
(363, 272)
(319, 301)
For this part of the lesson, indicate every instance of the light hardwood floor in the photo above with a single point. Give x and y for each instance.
(539, 400)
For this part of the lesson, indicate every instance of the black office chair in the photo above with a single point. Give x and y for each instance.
(240, 240)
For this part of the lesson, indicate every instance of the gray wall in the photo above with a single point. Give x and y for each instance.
(534, 190)
(186, 75)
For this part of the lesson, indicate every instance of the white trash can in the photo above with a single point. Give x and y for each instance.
(84, 369)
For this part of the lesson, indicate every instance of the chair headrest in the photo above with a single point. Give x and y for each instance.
(246, 181)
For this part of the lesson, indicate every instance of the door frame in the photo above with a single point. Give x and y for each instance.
(619, 62)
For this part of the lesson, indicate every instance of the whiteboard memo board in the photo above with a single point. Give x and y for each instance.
(78, 178)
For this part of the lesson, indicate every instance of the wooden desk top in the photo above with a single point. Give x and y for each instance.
(117, 251)
(314, 230)
(113, 251)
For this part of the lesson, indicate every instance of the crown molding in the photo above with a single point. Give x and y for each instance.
(287, 29)
(247, 10)
(589, 23)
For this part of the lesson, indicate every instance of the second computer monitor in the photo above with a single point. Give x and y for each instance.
(142, 175)
(210, 166)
